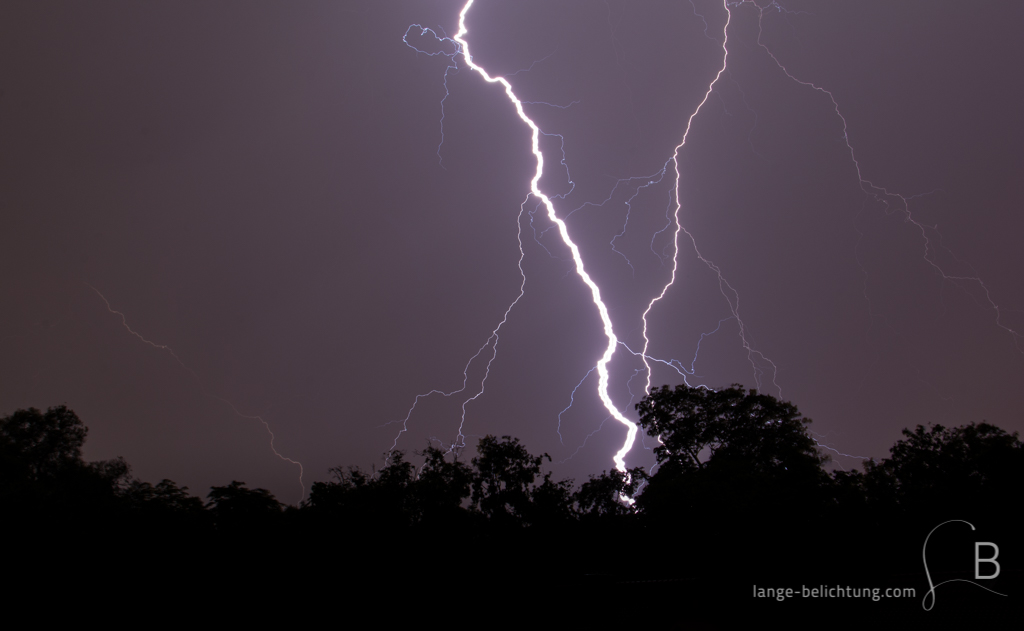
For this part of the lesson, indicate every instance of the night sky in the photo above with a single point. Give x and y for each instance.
(261, 189)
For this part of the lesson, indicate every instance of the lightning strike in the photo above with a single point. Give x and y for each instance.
(728, 292)
(833, 449)
(269, 431)
(124, 322)
(451, 66)
(169, 350)
(572, 399)
(602, 364)
(893, 202)
(492, 343)
(765, 371)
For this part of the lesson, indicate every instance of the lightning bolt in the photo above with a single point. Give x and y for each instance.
(170, 351)
(765, 371)
(893, 202)
(760, 363)
(595, 291)
(124, 322)
(728, 292)
(462, 49)
(492, 343)
(572, 399)
(451, 66)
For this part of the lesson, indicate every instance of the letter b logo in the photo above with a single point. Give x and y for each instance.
(978, 560)
(929, 598)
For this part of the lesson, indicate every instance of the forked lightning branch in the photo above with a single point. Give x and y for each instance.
(457, 50)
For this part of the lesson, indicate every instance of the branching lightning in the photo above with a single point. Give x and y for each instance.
(572, 399)
(169, 350)
(124, 322)
(602, 364)
(893, 202)
(492, 343)
(765, 371)
(451, 66)
(730, 294)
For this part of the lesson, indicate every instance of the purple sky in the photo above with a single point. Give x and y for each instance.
(256, 186)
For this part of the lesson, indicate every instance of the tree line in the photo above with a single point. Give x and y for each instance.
(739, 481)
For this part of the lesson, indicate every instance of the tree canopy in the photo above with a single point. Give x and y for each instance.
(728, 449)
(36, 446)
(41, 462)
(736, 471)
(698, 427)
(971, 466)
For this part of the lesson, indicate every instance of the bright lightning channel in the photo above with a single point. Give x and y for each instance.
(758, 361)
(595, 291)
(728, 292)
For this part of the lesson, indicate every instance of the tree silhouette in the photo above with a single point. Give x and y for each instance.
(235, 506)
(505, 473)
(165, 497)
(441, 487)
(41, 464)
(728, 452)
(739, 489)
(973, 468)
(35, 447)
(601, 496)
(367, 500)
